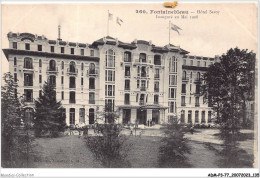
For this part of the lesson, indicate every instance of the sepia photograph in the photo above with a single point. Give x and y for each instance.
(129, 85)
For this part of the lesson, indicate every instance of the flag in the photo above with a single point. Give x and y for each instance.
(175, 28)
(119, 21)
(110, 16)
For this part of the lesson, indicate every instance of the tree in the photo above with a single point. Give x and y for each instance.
(12, 112)
(173, 146)
(228, 85)
(48, 113)
(108, 145)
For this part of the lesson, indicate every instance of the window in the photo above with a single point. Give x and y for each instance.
(91, 98)
(62, 80)
(52, 65)
(197, 89)
(40, 78)
(138, 83)
(91, 83)
(142, 57)
(209, 116)
(183, 89)
(197, 101)
(109, 90)
(52, 80)
(91, 52)
(40, 93)
(189, 116)
(157, 73)
(28, 79)
(71, 50)
(62, 95)
(28, 63)
(191, 62)
(127, 98)
(72, 116)
(15, 77)
(172, 93)
(127, 84)
(62, 65)
(127, 56)
(72, 83)
(183, 103)
(82, 115)
(156, 99)
(82, 52)
(110, 58)
(198, 63)
(72, 97)
(184, 75)
(143, 71)
(156, 86)
(210, 101)
(191, 75)
(196, 116)
(143, 85)
(14, 45)
(203, 117)
(205, 64)
(172, 107)
(52, 49)
(72, 66)
(28, 95)
(137, 97)
(15, 61)
(157, 60)
(39, 47)
(184, 62)
(127, 71)
(110, 75)
(82, 81)
(173, 80)
(62, 50)
(173, 64)
(27, 46)
(198, 75)
(182, 116)
(141, 99)
(40, 63)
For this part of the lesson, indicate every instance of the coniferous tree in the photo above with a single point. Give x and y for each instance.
(48, 113)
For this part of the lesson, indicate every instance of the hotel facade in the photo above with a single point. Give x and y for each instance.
(139, 80)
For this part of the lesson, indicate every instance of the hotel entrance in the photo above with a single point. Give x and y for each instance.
(142, 116)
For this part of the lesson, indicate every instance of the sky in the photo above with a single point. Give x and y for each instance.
(235, 25)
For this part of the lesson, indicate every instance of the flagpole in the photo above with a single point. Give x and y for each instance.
(108, 23)
(169, 32)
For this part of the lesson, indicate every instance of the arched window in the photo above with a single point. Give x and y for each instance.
(92, 68)
(157, 60)
(184, 75)
(15, 61)
(52, 65)
(40, 63)
(72, 66)
(28, 63)
(127, 56)
(142, 57)
(62, 64)
(110, 58)
(82, 66)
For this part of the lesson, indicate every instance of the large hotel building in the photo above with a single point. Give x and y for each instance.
(141, 81)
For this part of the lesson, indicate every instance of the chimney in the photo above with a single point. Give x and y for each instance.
(59, 39)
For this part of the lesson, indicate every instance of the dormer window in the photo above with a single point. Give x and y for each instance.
(14, 45)
(71, 50)
(27, 46)
(39, 47)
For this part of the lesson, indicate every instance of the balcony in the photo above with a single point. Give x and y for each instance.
(28, 84)
(183, 104)
(127, 74)
(72, 101)
(141, 102)
(197, 105)
(72, 72)
(52, 70)
(92, 72)
(143, 88)
(156, 76)
(91, 102)
(197, 81)
(140, 62)
(27, 68)
(185, 79)
(156, 89)
(127, 88)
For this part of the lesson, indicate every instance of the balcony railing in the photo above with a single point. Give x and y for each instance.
(141, 102)
(28, 83)
(197, 80)
(143, 88)
(28, 99)
(197, 105)
(91, 101)
(52, 70)
(72, 72)
(156, 76)
(183, 104)
(92, 72)
(143, 62)
(127, 88)
(156, 89)
(127, 102)
(72, 101)
(185, 79)
(127, 74)
(72, 85)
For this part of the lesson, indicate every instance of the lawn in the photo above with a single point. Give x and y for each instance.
(71, 152)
